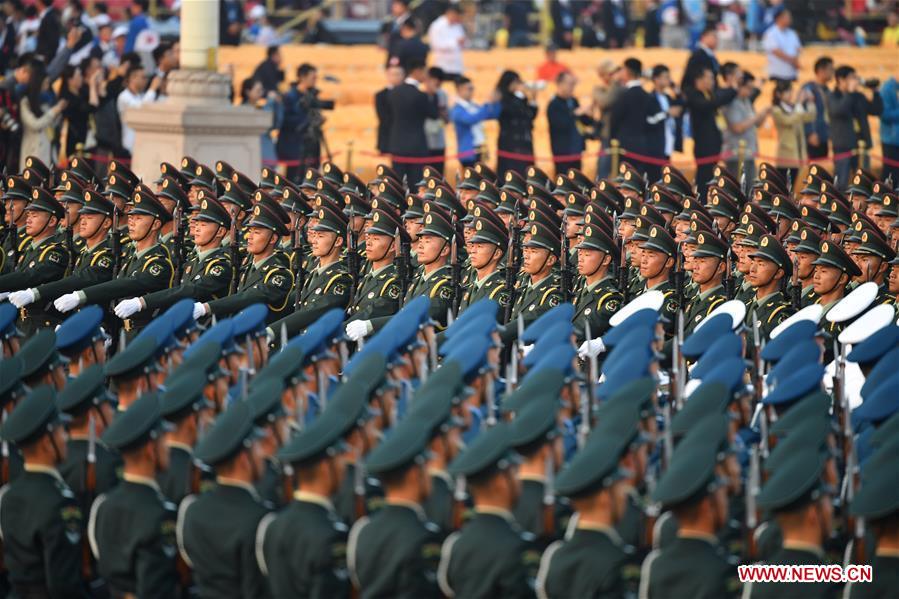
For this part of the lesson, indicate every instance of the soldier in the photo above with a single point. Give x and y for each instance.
(380, 290)
(708, 268)
(805, 253)
(223, 558)
(43, 260)
(487, 249)
(93, 264)
(148, 269)
(540, 255)
(172, 234)
(269, 403)
(39, 515)
(267, 278)
(695, 490)
(770, 267)
(599, 298)
(9, 334)
(395, 552)
(491, 556)
(131, 371)
(41, 362)
(132, 528)
(658, 256)
(329, 285)
(69, 194)
(834, 270)
(874, 255)
(207, 275)
(15, 239)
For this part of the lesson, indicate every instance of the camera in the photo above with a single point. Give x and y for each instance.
(311, 101)
(7, 122)
(872, 83)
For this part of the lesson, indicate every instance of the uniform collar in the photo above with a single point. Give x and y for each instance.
(260, 264)
(540, 282)
(806, 547)
(376, 272)
(767, 298)
(606, 530)
(698, 536)
(182, 446)
(137, 479)
(481, 282)
(705, 294)
(425, 276)
(409, 505)
(49, 238)
(307, 497)
(205, 254)
(225, 481)
(43, 469)
(495, 511)
(596, 284)
(142, 253)
(441, 474)
(539, 478)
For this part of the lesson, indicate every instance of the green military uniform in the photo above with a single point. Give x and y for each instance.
(773, 309)
(704, 302)
(598, 301)
(15, 242)
(378, 294)
(15, 239)
(488, 228)
(40, 520)
(492, 287)
(132, 528)
(223, 558)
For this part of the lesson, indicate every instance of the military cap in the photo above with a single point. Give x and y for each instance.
(878, 190)
(880, 404)
(770, 248)
(8, 315)
(860, 183)
(883, 369)
(292, 200)
(703, 337)
(641, 319)
(323, 438)
(331, 220)
(88, 389)
(350, 182)
(593, 468)
(539, 380)
(237, 195)
(389, 193)
(560, 334)
(834, 255)
(576, 204)
(81, 168)
(407, 445)
(96, 203)
(838, 212)
(471, 178)
(876, 245)
(437, 222)
(600, 218)
(120, 186)
(80, 330)
(141, 422)
(563, 186)
(385, 172)
(171, 171)
(35, 164)
(803, 353)
(594, 238)
(709, 246)
(267, 217)
(535, 176)
(72, 191)
(512, 181)
(536, 422)
(490, 451)
(691, 474)
(325, 188)
(232, 432)
(32, 177)
(660, 240)
(665, 201)
(123, 173)
(720, 204)
(223, 170)
(39, 354)
(264, 400)
(542, 213)
(43, 201)
(211, 210)
(486, 172)
(541, 236)
(386, 222)
(630, 178)
(146, 203)
(889, 205)
(136, 359)
(17, 188)
(795, 483)
(784, 207)
(877, 497)
(875, 346)
(623, 410)
(487, 231)
(332, 173)
(728, 345)
(544, 197)
(814, 218)
(768, 173)
(250, 322)
(184, 395)
(355, 204)
(352, 397)
(203, 176)
(812, 185)
(171, 190)
(674, 180)
(470, 353)
(488, 192)
(11, 385)
(813, 405)
(285, 366)
(796, 385)
(188, 167)
(710, 397)
(33, 417)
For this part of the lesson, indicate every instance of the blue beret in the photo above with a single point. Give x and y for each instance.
(645, 318)
(548, 320)
(799, 384)
(549, 340)
(160, 330)
(182, 316)
(8, 316)
(780, 345)
(879, 343)
(728, 346)
(483, 325)
(250, 320)
(79, 330)
(699, 342)
(804, 352)
(729, 372)
(883, 369)
(476, 310)
(882, 403)
(222, 333)
(471, 356)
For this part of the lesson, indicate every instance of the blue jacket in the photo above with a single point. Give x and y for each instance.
(564, 136)
(820, 124)
(464, 121)
(293, 126)
(889, 118)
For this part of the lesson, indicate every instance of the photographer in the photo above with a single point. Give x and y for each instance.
(849, 106)
(299, 141)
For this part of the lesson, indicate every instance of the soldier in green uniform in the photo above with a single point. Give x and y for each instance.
(487, 248)
(267, 278)
(599, 298)
(15, 198)
(277, 411)
(491, 556)
(223, 557)
(93, 264)
(771, 266)
(149, 268)
(874, 255)
(132, 528)
(694, 488)
(540, 255)
(173, 234)
(329, 285)
(379, 291)
(39, 515)
(207, 275)
(834, 270)
(184, 405)
(708, 268)
(44, 259)
(131, 371)
(806, 252)
(395, 552)
(69, 194)
(658, 257)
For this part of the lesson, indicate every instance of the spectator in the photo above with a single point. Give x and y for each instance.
(817, 133)
(134, 96)
(36, 116)
(564, 114)
(516, 123)
(604, 96)
(890, 36)
(616, 23)
(399, 10)
(889, 129)
(395, 75)
(702, 58)
(704, 103)
(516, 17)
(446, 35)
(434, 127)
(782, 45)
(731, 28)
(294, 143)
(409, 108)
(269, 72)
(629, 114)
(13, 13)
(49, 31)
(563, 17)
(742, 122)
(551, 68)
(849, 109)
(790, 117)
(666, 109)
(230, 22)
(261, 30)
(252, 93)
(76, 93)
(467, 118)
(652, 25)
(110, 44)
(137, 24)
(165, 55)
(409, 49)
(673, 32)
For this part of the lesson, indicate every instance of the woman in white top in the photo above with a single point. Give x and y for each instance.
(37, 118)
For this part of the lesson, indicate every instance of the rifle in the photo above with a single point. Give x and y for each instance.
(490, 396)
(116, 242)
(455, 270)
(459, 496)
(403, 264)
(590, 400)
(512, 263)
(359, 486)
(549, 498)
(729, 281)
(70, 243)
(234, 252)
(565, 281)
(752, 487)
(90, 487)
(178, 241)
(758, 385)
(352, 262)
(796, 290)
(299, 250)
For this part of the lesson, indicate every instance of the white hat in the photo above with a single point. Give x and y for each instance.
(257, 12)
(102, 20)
(120, 31)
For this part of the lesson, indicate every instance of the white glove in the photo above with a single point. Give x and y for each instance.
(125, 308)
(4, 295)
(358, 329)
(591, 349)
(67, 302)
(525, 350)
(21, 298)
(199, 310)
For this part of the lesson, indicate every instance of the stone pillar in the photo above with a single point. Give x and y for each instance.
(197, 117)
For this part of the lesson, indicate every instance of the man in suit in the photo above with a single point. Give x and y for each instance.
(409, 47)
(395, 75)
(703, 57)
(409, 107)
(704, 103)
(399, 10)
(629, 114)
(666, 109)
(49, 31)
(564, 114)
(295, 126)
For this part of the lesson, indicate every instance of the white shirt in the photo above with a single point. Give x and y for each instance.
(787, 42)
(128, 100)
(446, 40)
